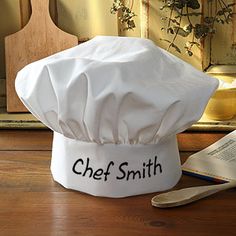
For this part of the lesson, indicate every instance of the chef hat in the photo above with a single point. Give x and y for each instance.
(115, 105)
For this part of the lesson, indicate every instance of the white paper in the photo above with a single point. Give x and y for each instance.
(217, 161)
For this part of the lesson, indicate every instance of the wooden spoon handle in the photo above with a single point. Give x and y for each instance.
(39, 4)
(188, 195)
(40, 8)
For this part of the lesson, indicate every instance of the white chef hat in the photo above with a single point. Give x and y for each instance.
(115, 105)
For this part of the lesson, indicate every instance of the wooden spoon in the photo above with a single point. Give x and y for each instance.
(188, 195)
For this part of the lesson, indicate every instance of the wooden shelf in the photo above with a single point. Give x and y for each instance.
(19, 121)
(205, 124)
(28, 121)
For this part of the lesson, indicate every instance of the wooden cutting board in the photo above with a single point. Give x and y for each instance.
(38, 39)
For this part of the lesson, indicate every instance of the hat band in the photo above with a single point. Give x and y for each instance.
(115, 170)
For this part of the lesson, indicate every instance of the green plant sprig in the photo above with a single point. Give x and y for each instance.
(125, 14)
(189, 9)
(178, 10)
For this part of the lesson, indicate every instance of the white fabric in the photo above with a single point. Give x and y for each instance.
(117, 170)
(114, 91)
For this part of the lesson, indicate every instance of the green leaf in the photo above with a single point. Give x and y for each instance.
(132, 24)
(193, 14)
(208, 20)
(179, 4)
(180, 31)
(194, 4)
(170, 30)
(188, 28)
(175, 47)
(220, 12)
(165, 40)
(201, 31)
(190, 53)
(174, 21)
(231, 4)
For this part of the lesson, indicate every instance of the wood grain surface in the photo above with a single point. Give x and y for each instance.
(196, 141)
(42, 140)
(31, 203)
(25, 140)
(25, 11)
(38, 39)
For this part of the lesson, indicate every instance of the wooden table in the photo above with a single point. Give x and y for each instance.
(31, 203)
